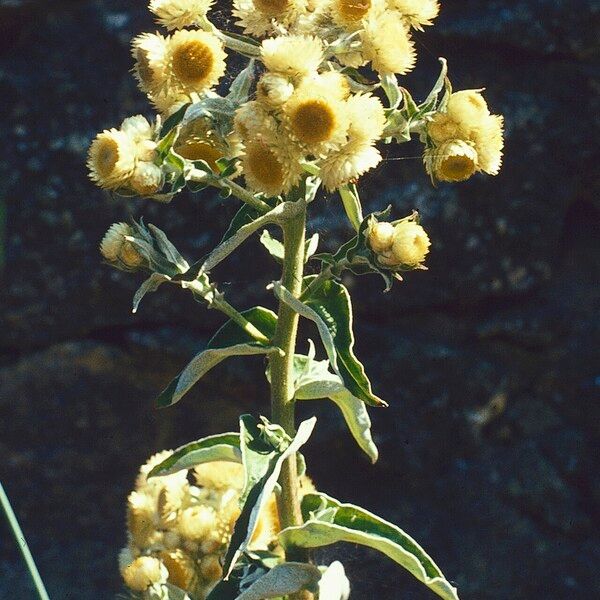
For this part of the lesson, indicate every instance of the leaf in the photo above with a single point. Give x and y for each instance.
(316, 381)
(222, 447)
(331, 303)
(431, 100)
(352, 206)
(242, 577)
(334, 584)
(150, 285)
(390, 86)
(257, 497)
(165, 591)
(200, 365)
(327, 521)
(246, 214)
(274, 247)
(167, 248)
(231, 333)
(282, 580)
(174, 120)
(311, 246)
(239, 90)
(308, 313)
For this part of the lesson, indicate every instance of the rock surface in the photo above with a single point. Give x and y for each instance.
(489, 359)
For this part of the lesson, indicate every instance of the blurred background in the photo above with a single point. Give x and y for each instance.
(489, 449)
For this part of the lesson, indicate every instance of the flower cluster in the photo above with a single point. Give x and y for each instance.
(401, 245)
(464, 139)
(178, 531)
(124, 158)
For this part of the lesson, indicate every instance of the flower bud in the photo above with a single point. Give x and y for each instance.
(197, 522)
(411, 244)
(147, 179)
(455, 160)
(116, 249)
(381, 237)
(144, 572)
(274, 89)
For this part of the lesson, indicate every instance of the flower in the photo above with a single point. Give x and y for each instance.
(194, 61)
(467, 108)
(351, 13)
(417, 13)
(147, 179)
(292, 55)
(455, 160)
(197, 522)
(348, 163)
(181, 568)
(411, 243)
(367, 117)
(149, 50)
(144, 572)
(111, 159)
(381, 237)
(386, 43)
(316, 120)
(488, 138)
(274, 89)
(177, 14)
(260, 17)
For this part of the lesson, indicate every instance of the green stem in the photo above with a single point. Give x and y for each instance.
(282, 370)
(20, 538)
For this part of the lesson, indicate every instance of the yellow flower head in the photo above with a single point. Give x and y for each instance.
(253, 118)
(111, 159)
(317, 121)
(141, 513)
(260, 17)
(348, 163)
(274, 89)
(442, 128)
(351, 13)
(467, 109)
(197, 522)
(149, 50)
(387, 44)
(381, 237)
(220, 475)
(147, 179)
(177, 14)
(455, 160)
(292, 55)
(410, 245)
(116, 249)
(194, 62)
(367, 117)
(144, 572)
(488, 138)
(181, 567)
(330, 83)
(269, 165)
(417, 13)
(210, 567)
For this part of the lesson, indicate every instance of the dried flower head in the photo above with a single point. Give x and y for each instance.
(381, 237)
(387, 44)
(149, 50)
(261, 17)
(147, 179)
(292, 55)
(144, 572)
(177, 14)
(348, 163)
(455, 160)
(417, 13)
(112, 159)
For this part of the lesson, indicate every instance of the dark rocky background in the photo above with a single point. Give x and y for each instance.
(489, 450)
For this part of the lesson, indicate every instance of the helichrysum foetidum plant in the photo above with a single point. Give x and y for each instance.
(233, 516)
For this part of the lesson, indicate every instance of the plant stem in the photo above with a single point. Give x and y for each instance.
(22, 542)
(282, 370)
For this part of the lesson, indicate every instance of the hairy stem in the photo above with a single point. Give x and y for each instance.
(282, 374)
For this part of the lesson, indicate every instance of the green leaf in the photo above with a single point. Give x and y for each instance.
(332, 305)
(269, 463)
(231, 333)
(174, 120)
(200, 365)
(431, 101)
(222, 447)
(274, 247)
(315, 381)
(246, 214)
(245, 573)
(327, 521)
(150, 285)
(284, 579)
(239, 90)
(409, 106)
(389, 83)
(352, 205)
(311, 246)
(167, 248)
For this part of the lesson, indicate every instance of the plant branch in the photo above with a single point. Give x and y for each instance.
(282, 368)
